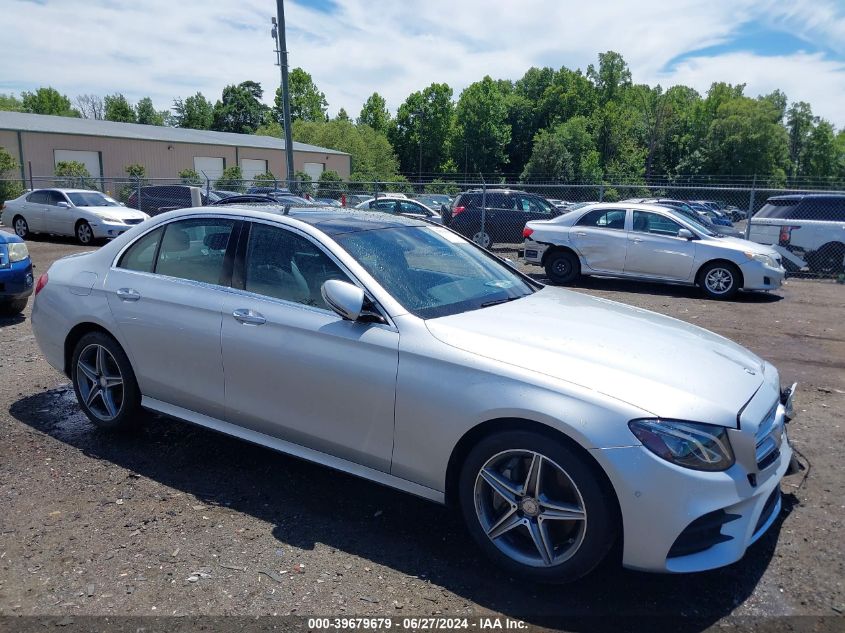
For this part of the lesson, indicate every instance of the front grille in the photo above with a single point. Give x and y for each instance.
(133, 221)
(702, 534)
(768, 439)
(768, 508)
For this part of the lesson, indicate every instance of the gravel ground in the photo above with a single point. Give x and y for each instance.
(179, 520)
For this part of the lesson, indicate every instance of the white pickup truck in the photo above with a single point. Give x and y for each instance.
(808, 230)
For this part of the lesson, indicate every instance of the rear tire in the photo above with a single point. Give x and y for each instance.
(562, 267)
(21, 227)
(719, 280)
(828, 260)
(483, 239)
(104, 382)
(12, 306)
(560, 529)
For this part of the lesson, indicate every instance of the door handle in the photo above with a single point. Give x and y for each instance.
(249, 317)
(128, 294)
(636, 240)
(580, 234)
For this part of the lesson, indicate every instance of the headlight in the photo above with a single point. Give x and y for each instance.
(688, 444)
(106, 218)
(17, 251)
(763, 259)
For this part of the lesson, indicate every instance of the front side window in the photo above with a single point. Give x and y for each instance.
(431, 271)
(194, 249)
(645, 222)
(141, 255)
(604, 219)
(283, 265)
(55, 197)
(410, 207)
(384, 205)
(530, 204)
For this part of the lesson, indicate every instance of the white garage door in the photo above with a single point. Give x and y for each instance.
(251, 167)
(91, 160)
(208, 166)
(314, 170)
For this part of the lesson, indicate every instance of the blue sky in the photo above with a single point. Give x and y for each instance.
(355, 47)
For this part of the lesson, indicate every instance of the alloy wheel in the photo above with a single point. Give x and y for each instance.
(482, 239)
(100, 382)
(530, 508)
(719, 281)
(83, 233)
(21, 228)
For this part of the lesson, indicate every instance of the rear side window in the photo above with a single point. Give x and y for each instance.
(141, 255)
(604, 219)
(39, 197)
(194, 249)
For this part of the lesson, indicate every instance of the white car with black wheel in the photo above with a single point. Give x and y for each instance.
(81, 213)
(649, 242)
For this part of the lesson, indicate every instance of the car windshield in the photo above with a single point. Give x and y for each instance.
(692, 219)
(433, 272)
(91, 199)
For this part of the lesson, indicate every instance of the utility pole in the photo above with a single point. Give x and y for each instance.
(278, 33)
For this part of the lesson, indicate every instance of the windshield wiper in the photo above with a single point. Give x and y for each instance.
(496, 302)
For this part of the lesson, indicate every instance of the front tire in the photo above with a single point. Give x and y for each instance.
(84, 233)
(104, 382)
(536, 506)
(21, 227)
(720, 280)
(562, 267)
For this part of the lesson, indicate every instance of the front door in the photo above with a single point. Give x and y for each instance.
(294, 369)
(167, 300)
(601, 239)
(59, 219)
(655, 250)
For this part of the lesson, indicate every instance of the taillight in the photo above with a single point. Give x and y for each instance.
(526, 232)
(42, 281)
(786, 234)
(457, 210)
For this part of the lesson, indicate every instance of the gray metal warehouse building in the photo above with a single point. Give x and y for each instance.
(38, 142)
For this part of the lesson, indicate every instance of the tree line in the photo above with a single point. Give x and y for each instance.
(548, 126)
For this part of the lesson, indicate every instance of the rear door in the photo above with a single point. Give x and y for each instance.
(601, 239)
(655, 250)
(35, 209)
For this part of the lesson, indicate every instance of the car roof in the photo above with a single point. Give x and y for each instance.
(329, 220)
(64, 190)
(637, 206)
(809, 196)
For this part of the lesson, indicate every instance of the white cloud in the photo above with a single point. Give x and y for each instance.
(166, 49)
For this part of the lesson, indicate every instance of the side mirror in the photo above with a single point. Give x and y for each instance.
(63, 205)
(349, 302)
(686, 234)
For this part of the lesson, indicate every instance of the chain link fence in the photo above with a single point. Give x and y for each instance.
(807, 226)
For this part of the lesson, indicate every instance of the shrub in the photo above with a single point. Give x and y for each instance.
(232, 179)
(190, 177)
(330, 185)
(73, 174)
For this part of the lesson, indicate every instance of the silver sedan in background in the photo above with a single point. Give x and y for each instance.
(400, 352)
(649, 242)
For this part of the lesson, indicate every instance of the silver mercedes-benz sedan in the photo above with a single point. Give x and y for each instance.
(649, 242)
(398, 351)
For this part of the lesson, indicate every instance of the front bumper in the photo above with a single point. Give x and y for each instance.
(759, 276)
(662, 504)
(105, 230)
(16, 281)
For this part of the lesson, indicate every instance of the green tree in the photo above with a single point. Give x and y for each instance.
(307, 103)
(375, 114)
(240, 109)
(117, 108)
(550, 160)
(421, 131)
(10, 103)
(821, 154)
(47, 101)
(372, 156)
(73, 174)
(799, 124)
(481, 127)
(146, 113)
(195, 112)
(190, 177)
(232, 179)
(438, 185)
(10, 188)
(330, 185)
(137, 176)
(342, 115)
(611, 77)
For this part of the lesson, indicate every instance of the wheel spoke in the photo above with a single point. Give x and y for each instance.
(108, 400)
(92, 395)
(554, 511)
(532, 478)
(541, 541)
(506, 523)
(101, 360)
(89, 372)
(113, 381)
(506, 489)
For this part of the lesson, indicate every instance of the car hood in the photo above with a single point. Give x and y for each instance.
(660, 365)
(744, 246)
(122, 213)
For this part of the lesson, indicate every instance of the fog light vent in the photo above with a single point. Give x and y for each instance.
(702, 534)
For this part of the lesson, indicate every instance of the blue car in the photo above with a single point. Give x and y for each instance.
(15, 274)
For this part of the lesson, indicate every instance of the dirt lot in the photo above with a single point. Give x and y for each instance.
(180, 520)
